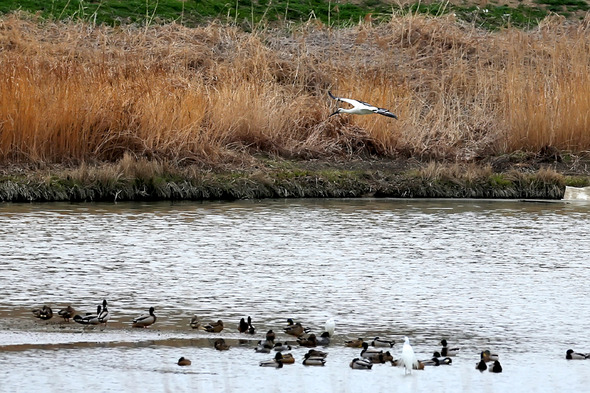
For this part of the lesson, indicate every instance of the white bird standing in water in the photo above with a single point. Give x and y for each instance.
(408, 359)
(360, 108)
(330, 326)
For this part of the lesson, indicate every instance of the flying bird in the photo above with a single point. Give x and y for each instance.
(359, 108)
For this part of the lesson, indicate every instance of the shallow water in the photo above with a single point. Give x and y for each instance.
(510, 276)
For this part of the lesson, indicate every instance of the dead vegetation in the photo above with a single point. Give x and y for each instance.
(215, 95)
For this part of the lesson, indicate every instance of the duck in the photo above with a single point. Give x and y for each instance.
(324, 339)
(288, 358)
(243, 326)
(246, 326)
(317, 354)
(271, 336)
(251, 329)
(220, 345)
(379, 342)
(214, 327)
(144, 321)
(310, 341)
(296, 329)
(277, 362)
(571, 355)
(487, 356)
(441, 361)
(481, 366)
(45, 313)
(431, 362)
(310, 360)
(195, 323)
(184, 362)
(358, 343)
(103, 316)
(446, 351)
(360, 364)
(89, 319)
(408, 359)
(369, 352)
(263, 346)
(67, 313)
(496, 368)
(381, 358)
(281, 347)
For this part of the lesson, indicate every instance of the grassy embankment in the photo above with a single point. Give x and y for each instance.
(335, 13)
(165, 111)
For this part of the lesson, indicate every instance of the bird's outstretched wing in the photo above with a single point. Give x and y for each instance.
(385, 112)
(347, 100)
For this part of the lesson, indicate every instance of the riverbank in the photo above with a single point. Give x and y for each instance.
(510, 177)
(166, 112)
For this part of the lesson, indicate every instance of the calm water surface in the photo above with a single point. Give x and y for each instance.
(505, 275)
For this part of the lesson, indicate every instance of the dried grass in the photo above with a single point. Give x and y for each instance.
(73, 93)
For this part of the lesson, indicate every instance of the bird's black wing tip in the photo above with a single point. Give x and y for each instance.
(332, 95)
(385, 112)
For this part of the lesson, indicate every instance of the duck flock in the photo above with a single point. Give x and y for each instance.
(375, 351)
(101, 317)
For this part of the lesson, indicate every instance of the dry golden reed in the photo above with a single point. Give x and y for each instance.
(72, 92)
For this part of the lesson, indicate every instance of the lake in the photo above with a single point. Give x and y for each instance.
(509, 276)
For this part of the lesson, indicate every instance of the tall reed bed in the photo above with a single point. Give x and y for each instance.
(547, 99)
(72, 93)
